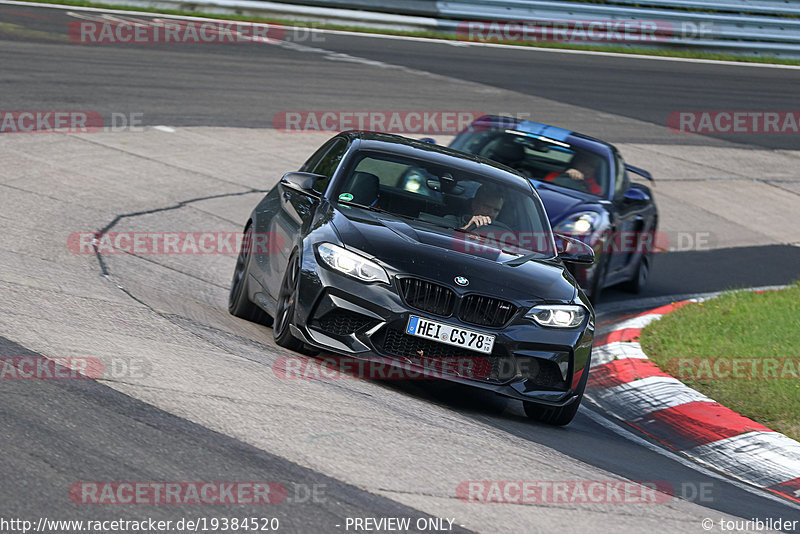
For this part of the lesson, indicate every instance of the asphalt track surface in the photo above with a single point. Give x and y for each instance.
(246, 86)
(119, 437)
(59, 424)
(241, 85)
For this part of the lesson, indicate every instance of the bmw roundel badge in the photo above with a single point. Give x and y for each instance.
(462, 281)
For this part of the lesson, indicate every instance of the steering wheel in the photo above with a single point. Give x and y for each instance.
(496, 231)
(493, 226)
(565, 180)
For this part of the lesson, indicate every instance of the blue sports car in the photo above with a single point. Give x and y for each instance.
(587, 192)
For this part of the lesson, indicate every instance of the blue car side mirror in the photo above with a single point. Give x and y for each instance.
(639, 196)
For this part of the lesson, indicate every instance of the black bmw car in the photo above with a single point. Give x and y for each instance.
(585, 187)
(389, 249)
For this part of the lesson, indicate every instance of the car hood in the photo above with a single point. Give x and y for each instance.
(410, 247)
(561, 202)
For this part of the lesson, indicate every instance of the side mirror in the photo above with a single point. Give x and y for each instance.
(635, 195)
(574, 250)
(302, 181)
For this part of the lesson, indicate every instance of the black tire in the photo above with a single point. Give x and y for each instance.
(599, 279)
(560, 416)
(239, 303)
(639, 281)
(284, 311)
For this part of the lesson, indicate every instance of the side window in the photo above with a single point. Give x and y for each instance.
(328, 164)
(621, 179)
(389, 173)
(316, 156)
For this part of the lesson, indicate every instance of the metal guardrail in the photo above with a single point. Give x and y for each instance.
(424, 8)
(745, 27)
(750, 27)
(732, 27)
(764, 7)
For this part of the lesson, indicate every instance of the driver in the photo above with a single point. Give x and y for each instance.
(484, 206)
(583, 170)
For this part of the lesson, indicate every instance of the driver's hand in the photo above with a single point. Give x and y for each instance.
(478, 220)
(575, 174)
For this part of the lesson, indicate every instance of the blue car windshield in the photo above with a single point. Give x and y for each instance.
(468, 205)
(553, 162)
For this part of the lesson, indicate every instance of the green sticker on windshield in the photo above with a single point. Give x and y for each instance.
(346, 197)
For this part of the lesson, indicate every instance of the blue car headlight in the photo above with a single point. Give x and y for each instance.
(351, 264)
(557, 315)
(581, 223)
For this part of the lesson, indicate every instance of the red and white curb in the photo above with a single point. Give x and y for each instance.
(625, 383)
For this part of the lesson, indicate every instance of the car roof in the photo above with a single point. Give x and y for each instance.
(436, 154)
(537, 129)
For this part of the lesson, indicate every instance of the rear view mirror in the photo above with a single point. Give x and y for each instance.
(574, 250)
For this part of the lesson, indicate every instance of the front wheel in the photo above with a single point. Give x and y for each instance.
(239, 303)
(284, 311)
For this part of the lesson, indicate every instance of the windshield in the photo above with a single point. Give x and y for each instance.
(553, 162)
(471, 207)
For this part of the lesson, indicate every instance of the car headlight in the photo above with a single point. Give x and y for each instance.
(583, 223)
(351, 264)
(557, 315)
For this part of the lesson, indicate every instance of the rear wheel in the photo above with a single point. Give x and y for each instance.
(557, 416)
(284, 312)
(598, 280)
(639, 281)
(239, 303)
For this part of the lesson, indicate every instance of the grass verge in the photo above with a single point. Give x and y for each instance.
(678, 53)
(741, 349)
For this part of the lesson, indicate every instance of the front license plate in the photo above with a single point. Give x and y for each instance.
(449, 334)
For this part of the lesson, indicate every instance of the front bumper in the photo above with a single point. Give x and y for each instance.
(367, 321)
